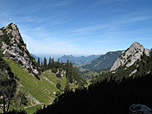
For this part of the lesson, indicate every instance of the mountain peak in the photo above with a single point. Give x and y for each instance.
(130, 56)
(137, 45)
(11, 26)
(13, 47)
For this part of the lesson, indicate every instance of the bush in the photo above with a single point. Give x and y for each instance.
(58, 85)
(9, 26)
(30, 70)
(54, 70)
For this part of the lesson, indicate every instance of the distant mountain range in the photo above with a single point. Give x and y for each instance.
(78, 60)
(103, 62)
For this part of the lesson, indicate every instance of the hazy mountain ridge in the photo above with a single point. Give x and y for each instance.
(78, 60)
(103, 62)
(14, 48)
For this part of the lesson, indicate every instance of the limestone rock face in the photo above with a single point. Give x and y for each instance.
(130, 56)
(14, 48)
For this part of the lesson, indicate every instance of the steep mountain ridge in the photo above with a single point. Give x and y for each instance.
(130, 56)
(14, 48)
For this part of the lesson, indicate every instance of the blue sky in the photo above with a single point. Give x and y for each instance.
(79, 27)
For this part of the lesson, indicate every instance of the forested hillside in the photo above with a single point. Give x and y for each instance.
(104, 62)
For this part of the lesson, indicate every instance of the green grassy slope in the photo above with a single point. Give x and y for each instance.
(42, 91)
(37, 91)
(48, 75)
(52, 77)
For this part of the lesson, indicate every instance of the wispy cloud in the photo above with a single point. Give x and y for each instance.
(89, 28)
(48, 45)
(115, 23)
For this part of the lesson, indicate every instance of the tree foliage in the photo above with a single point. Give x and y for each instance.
(7, 85)
(58, 67)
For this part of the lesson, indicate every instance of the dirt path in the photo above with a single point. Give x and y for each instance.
(36, 105)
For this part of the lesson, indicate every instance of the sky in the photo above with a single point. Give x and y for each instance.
(79, 27)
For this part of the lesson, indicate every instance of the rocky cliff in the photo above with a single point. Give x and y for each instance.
(14, 48)
(130, 56)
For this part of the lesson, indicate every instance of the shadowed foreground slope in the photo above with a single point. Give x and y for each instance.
(104, 97)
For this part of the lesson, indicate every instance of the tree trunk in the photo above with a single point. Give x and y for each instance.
(3, 105)
(9, 100)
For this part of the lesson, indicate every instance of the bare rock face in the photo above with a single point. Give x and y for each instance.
(130, 56)
(14, 48)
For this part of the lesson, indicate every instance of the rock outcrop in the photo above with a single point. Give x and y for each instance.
(14, 48)
(139, 109)
(130, 56)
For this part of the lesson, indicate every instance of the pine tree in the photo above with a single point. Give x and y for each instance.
(45, 63)
(53, 63)
(67, 87)
(38, 62)
(50, 63)
(58, 63)
(58, 60)
(67, 69)
(58, 85)
(42, 66)
(71, 77)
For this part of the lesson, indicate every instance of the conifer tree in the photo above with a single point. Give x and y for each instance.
(67, 87)
(67, 69)
(58, 60)
(58, 63)
(38, 62)
(45, 63)
(50, 63)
